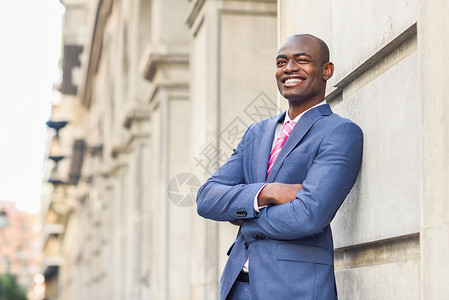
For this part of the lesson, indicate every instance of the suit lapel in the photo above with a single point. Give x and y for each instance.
(263, 155)
(299, 131)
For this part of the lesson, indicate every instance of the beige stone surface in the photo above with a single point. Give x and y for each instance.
(353, 30)
(385, 72)
(385, 201)
(395, 281)
(232, 63)
(433, 43)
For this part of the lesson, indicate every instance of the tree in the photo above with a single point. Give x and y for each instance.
(10, 289)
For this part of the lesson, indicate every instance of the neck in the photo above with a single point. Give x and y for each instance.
(295, 109)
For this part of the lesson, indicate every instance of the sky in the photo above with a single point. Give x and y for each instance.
(30, 35)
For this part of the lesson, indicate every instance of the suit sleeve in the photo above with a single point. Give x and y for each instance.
(225, 196)
(328, 181)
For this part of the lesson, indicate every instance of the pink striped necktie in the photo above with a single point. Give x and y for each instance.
(285, 132)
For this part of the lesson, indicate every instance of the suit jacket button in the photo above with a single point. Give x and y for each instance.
(261, 236)
(256, 236)
(245, 245)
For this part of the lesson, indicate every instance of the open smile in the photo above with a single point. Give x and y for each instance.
(290, 82)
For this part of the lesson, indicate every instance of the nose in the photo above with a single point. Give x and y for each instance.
(291, 66)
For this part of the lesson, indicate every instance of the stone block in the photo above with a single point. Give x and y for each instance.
(435, 262)
(385, 202)
(398, 281)
(382, 22)
(353, 30)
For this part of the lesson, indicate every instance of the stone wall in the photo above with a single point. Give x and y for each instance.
(168, 88)
(233, 48)
(386, 231)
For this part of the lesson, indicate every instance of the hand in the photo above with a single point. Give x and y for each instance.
(278, 193)
(237, 222)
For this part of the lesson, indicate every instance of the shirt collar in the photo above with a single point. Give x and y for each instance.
(287, 117)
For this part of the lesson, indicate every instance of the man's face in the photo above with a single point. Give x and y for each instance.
(300, 72)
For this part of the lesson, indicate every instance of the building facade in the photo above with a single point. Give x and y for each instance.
(156, 93)
(19, 244)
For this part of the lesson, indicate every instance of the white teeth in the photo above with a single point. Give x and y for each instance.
(291, 80)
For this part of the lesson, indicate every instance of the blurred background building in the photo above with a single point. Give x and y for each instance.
(19, 244)
(156, 93)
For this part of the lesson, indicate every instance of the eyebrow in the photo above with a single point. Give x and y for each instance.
(294, 55)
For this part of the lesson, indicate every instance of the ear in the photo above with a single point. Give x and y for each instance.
(328, 70)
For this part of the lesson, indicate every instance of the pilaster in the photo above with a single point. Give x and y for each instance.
(233, 48)
(433, 43)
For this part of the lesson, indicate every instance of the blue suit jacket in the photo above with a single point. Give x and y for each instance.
(289, 246)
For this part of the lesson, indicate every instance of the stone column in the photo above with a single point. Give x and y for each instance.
(433, 46)
(166, 68)
(232, 59)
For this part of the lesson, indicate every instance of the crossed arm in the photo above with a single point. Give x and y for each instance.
(274, 194)
(278, 193)
(294, 210)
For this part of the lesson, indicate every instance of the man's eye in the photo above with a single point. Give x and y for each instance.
(280, 62)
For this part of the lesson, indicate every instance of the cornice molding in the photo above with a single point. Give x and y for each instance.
(135, 114)
(154, 60)
(93, 49)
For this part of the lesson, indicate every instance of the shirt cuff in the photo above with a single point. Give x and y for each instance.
(257, 208)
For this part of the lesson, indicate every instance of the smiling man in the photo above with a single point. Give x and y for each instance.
(283, 185)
